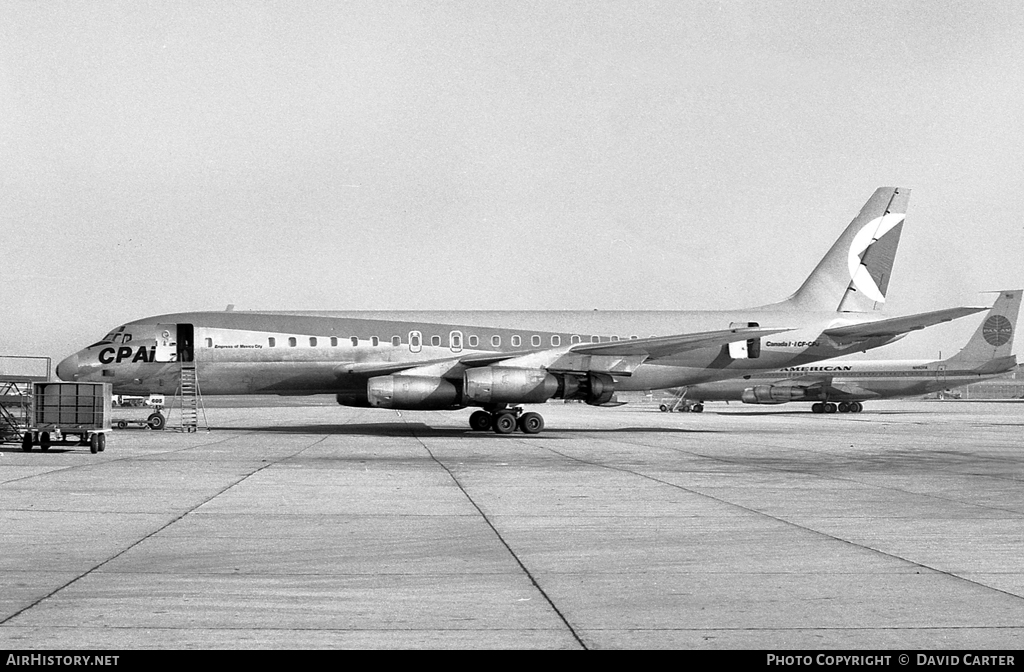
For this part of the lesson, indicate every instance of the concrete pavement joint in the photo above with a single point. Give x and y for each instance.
(504, 543)
(887, 554)
(156, 531)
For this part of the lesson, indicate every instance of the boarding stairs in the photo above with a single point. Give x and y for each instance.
(190, 400)
(14, 410)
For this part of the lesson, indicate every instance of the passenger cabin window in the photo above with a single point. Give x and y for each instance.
(615, 338)
(595, 339)
(455, 341)
(496, 341)
(415, 341)
(516, 341)
(292, 342)
(374, 341)
(396, 341)
(334, 341)
(435, 340)
(209, 342)
(312, 341)
(355, 341)
(473, 341)
(556, 340)
(272, 342)
(574, 339)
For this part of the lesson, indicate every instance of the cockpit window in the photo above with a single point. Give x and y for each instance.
(113, 337)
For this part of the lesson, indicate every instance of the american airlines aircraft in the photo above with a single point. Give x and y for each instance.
(498, 360)
(850, 382)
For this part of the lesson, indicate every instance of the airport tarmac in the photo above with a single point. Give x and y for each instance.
(308, 525)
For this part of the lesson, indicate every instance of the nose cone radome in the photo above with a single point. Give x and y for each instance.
(68, 369)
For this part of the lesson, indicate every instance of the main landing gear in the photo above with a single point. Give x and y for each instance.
(506, 420)
(842, 407)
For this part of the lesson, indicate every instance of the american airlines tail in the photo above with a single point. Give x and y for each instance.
(994, 338)
(854, 275)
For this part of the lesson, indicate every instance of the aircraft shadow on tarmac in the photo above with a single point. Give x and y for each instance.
(420, 429)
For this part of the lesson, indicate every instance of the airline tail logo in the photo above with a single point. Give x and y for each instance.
(997, 330)
(870, 262)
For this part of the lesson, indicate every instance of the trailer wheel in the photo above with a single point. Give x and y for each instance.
(26, 442)
(94, 443)
(122, 424)
(44, 441)
(156, 421)
(103, 442)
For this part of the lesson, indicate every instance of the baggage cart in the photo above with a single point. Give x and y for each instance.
(61, 411)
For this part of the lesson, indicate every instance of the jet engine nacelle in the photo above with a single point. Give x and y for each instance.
(774, 394)
(506, 385)
(598, 388)
(411, 393)
(357, 400)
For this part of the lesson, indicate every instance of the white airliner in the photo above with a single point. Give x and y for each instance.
(849, 382)
(498, 360)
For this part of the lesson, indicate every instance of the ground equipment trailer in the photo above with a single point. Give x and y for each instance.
(154, 420)
(62, 410)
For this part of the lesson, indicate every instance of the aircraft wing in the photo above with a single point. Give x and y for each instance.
(895, 326)
(370, 369)
(666, 346)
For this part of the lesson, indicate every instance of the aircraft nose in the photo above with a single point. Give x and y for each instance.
(68, 369)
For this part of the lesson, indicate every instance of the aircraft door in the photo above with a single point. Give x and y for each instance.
(175, 343)
(415, 341)
(748, 349)
(455, 341)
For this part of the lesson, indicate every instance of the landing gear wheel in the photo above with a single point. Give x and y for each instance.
(26, 442)
(817, 407)
(531, 423)
(504, 423)
(856, 407)
(44, 441)
(844, 407)
(480, 421)
(156, 421)
(830, 408)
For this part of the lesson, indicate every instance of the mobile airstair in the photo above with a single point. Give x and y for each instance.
(17, 374)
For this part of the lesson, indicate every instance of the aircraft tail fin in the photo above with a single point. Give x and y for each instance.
(854, 275)
(994, 336)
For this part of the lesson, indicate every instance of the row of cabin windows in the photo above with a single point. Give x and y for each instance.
(455, 340)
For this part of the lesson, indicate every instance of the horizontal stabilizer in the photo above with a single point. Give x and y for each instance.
(998, 365)
(898, 325)
(666, 346)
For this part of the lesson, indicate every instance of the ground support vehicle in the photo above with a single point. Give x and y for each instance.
(64, 410)
(155, 420)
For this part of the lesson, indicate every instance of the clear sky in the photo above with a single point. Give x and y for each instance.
(167, 156)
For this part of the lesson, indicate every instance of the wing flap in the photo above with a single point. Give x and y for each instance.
(897, 325)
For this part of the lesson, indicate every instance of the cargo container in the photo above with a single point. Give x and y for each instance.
(61, 411)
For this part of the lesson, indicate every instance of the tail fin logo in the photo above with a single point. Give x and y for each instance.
(997, 330)
(864, 277)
